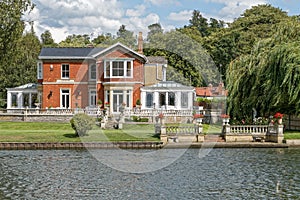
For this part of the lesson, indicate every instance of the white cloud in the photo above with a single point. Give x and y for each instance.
(163, 2)
(181, 16)
(136, 12)
(64, 17)
(234, 8)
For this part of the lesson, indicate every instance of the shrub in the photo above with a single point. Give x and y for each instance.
(82, 123)
(144, 119)
(139, 119)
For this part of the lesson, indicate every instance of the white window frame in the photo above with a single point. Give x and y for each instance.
(40, 70)
(184, 100)
(61, 97)
(92, 97)
(64, 64)
(149, 104)
(91, 72)
(126, 68)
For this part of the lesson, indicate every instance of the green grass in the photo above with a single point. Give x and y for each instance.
(62, 132)
(294, 135)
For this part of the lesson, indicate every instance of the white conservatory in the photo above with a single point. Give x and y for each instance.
(24, 96)
(167, 95)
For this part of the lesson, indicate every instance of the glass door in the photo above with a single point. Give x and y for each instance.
(65, 99)
(117, 100)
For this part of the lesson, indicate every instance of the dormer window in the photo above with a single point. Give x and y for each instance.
(118, 69)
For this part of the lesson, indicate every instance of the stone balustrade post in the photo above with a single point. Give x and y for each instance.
(199, 128)
(226, 129)
(279, 134)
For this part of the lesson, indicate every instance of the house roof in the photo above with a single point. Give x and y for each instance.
(204, 91)
(83, 52)
(211, 91)
(169, 85)
(28, 86)
(68, 52)
(119, 45)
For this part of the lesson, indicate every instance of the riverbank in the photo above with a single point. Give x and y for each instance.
(141, 145)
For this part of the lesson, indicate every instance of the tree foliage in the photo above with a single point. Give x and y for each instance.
(16, 55)
(47, 40)
(268, 78)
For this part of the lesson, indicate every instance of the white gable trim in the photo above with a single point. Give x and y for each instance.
(118, 45)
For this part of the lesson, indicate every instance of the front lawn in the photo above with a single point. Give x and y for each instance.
(292, 135)
(62, 132)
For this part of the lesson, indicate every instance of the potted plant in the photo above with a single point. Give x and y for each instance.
(37, 102)
(106, 104)
(161, 118)
(198, 117)
(225, 118)
(138, 103)
(99, 102)
(278, 116)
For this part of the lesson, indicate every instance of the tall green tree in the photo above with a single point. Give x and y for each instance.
(154, 29)
(11, 30)
(47, 39)
(76, 41)
(268, 78)
(199, 22)
(255, 24)
(126, 37)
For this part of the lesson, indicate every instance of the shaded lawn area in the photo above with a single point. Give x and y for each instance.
(62, 132)
(292, 135)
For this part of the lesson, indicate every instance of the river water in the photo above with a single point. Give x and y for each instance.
(221, 174)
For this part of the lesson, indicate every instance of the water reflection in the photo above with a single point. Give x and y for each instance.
(223, 174)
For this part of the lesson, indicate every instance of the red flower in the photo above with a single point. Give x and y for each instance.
(161, 116)
(196, 116)
(225, 116)
(278, 115)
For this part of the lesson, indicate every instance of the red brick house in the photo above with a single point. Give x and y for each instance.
(79, 77)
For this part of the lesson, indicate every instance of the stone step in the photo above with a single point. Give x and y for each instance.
(213, 138)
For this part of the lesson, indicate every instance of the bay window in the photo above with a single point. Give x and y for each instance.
(118, 69)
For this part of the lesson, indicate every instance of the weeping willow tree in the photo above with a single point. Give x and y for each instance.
(268, 78)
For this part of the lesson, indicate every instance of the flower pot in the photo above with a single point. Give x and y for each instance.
(199, 120)
(280, 121)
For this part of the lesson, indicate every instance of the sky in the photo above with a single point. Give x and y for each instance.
(96, 17)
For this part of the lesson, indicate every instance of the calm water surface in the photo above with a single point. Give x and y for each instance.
(222, 174)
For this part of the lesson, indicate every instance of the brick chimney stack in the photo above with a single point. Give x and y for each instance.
(140, 43)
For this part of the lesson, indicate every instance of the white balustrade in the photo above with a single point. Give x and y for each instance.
(249, 129)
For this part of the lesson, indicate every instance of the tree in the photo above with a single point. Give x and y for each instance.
(126, 37)
(11, 30)
(255, 24)
(100, 39)
(268, 78)
(76, 41)
(190, 63)
(47, 39)
(199, 22)
(154, 29)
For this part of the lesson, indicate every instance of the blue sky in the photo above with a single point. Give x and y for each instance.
(65, 17)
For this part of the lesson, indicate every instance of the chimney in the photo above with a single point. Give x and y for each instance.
(140, 43)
